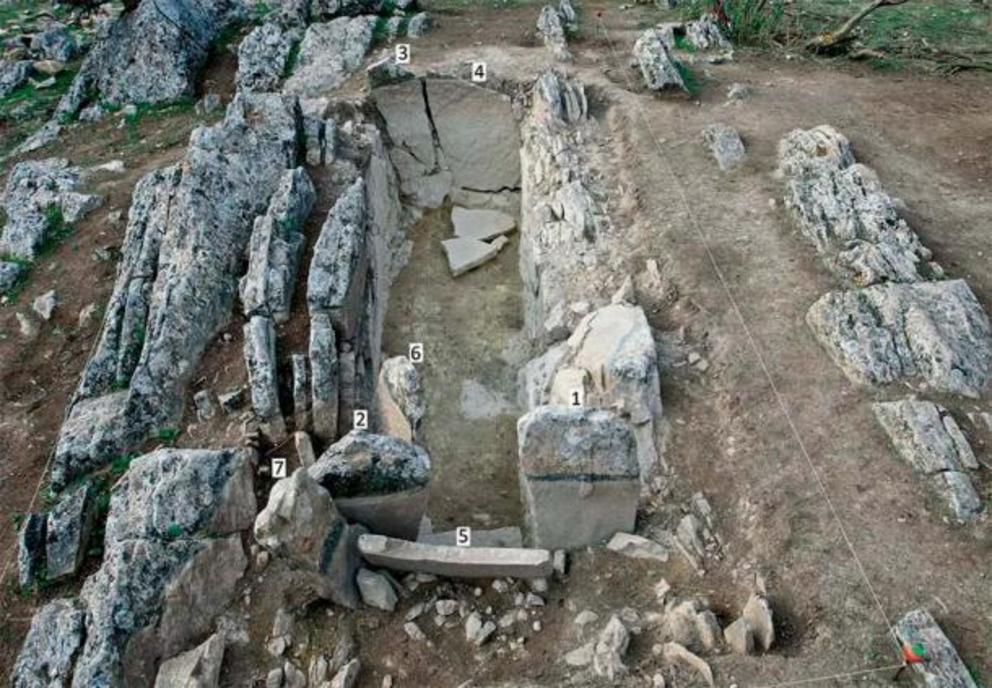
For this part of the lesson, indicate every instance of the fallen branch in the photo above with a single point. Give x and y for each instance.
(831, 40)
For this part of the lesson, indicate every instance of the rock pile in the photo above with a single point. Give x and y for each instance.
(553, 26)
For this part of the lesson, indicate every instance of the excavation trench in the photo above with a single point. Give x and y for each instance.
(455, 144)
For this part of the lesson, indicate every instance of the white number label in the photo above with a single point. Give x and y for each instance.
(416, 353)
(278, 468)
(577, 397)
(479, 71)
(402, 53)
(360, 419)
(463, 536)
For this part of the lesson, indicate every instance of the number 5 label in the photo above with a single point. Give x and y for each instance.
(463, 536)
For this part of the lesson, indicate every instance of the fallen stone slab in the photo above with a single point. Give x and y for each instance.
(638, 547)
(658, 67)
(942, 666)
(927, 437)
(758, 615)
(842, 208)
(930, 336)
(579, 476)
(377, 480)
(54, 43)
(467, 254)
(481, 224)
(725, 145)
(196, 668)
(510, 536)
(455, 562)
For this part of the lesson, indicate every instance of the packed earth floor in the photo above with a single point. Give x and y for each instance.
(811, 506)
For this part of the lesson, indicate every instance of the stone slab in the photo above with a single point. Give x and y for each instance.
(468, 254)
(482, 225)
(455, 562)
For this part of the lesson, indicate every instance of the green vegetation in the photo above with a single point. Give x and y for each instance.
(120, 464)
(168, 436)
(292, 60)
(174, 531)
(692, 83)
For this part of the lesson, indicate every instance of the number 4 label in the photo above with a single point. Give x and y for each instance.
(479, 71)
(279, 468)
(463, 536)
(360, 419)
(402, 53)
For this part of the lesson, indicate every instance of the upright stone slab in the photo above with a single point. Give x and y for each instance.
(260, 359)
(656, 63)
(70, 524)
(31, 549)
(579, 477)
(378, 481)
(324, 381)
(400, 404)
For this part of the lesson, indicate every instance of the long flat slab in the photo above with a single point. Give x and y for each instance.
(455, 562)
(942, 666)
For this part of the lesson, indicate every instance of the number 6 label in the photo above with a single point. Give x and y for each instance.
(403, 53)
(416, 354)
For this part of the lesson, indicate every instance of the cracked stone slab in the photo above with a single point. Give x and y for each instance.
(455, 562)
(468, 254)
(482, 225)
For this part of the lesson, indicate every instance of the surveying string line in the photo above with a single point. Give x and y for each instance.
(832, 677)
(703, 238)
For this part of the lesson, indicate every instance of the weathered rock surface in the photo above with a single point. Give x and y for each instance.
(324, 376)
(691, 623)
(467, 254)
(301, 524)
(705, 34)
(578, 474)
(171, 564)
(377, 480)
(931, 336)
(610, 649)
(10, 272)
(152, 55)
(196, 668)
(725, 144)
(275, 248)
(400, 403)
(943, 667)
(376, 590)
(188, 229)
(481, 224)
(70, 524)
(455, 562)
(260, 359)
(758, 615)
(926, 436)
(31, 549)
(13, 75)
(50, 648)
(330, 52)
(638, 547)
(841, 207)
(656, 63)
(262, 58)
(54, 43)
(551, 27)
(41, 195)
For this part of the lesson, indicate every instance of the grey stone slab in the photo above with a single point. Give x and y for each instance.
(481, 224)
(455, 562)
(468, 254)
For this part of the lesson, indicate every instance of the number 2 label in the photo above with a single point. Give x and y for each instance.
(360, 419)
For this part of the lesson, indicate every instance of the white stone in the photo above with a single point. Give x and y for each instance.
(482, 225)
(467, 254)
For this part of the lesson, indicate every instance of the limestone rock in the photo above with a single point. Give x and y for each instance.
(301, 523)
(843, 209)
(418, 25)
(655, 62)
(262, 58)
(54, 43)
(260, 359)
(705, 34)
(40, 197)
(324, 384)
(481, 224)
(153, 54)
(453, 561)
(50, 648)
(477, 630)
(301, 392)
(931, 336)
(377, 480)
(188, 229)
(467, 254)
(376, 590)
(926, 436)
(564, 98)
(725, 144)
(329, 53)
(196, 668)
(400, 404)
(637, 547)
(347, 677)
(44, 305)
(943, 666)
(673, 652)
(551, 28)
(70, 524)
(31, 549)
(610, 649)
(204, 405)
(690, 623)
(578, 475)
(275, 248)
(10, 273)
(13, 75)
(758, 614)
(740, 637)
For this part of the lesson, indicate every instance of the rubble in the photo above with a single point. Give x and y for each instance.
(376, 590)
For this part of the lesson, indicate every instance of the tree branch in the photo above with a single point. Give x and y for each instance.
(833, 39)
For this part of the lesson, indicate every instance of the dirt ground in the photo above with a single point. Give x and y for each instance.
(805, 487)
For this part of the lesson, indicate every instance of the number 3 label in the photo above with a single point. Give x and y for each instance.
(402, 53)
